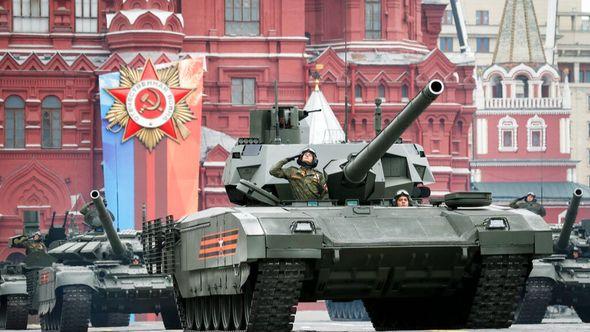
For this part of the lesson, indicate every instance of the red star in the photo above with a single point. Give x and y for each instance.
(149, 73)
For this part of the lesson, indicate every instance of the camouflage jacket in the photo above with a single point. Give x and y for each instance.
(306, 183)
(30, 245)
(533, 206)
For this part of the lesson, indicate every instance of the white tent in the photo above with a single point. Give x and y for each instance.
(323, 126)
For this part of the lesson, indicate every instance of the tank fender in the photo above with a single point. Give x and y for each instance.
(543, 270)
(52, 280)
(11, 287)
(295, 237)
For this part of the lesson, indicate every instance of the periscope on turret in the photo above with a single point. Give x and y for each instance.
(272, 250)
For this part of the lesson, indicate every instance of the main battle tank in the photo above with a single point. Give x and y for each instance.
(100, 276)
(462, 262)
(563, 278)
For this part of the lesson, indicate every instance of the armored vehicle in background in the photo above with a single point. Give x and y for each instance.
(563, 278)
(14, 300)
(463, 262)
(99, 277)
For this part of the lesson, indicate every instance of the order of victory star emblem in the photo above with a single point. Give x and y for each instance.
(149, 105)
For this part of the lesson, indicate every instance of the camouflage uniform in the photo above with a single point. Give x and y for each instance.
(306, 183)
(30, 245)
(533, 206)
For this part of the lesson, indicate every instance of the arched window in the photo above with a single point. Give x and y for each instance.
(507, 134)
(459, 127)
(404, 91)
(372, 19)
(353, 127)
(381, 91)
(545, 88)
(431, 124)
(441, 125)
(51, 122)
(497, 87)
(358, 92)
(522, 86)
(364, 126)
(14, 123)
(536, 133)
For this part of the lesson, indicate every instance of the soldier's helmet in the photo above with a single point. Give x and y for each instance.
(530, 193)
(38, 234)
(401, 193)
(313, 164)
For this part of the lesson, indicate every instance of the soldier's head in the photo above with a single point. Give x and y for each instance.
(530, 196)
(37, 236)
(308, 158)
(401, 198)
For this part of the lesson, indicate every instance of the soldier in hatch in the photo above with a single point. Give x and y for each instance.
(306, 182)
(529, 202)
(91, 215)
(402, 199)
(31, 244)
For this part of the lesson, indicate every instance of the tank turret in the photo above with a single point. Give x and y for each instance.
(562, 244)
(360, 171)
(117, 246)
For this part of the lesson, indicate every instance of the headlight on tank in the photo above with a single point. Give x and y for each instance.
(303, 226)
(497, 223)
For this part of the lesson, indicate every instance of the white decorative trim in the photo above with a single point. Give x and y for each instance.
(70, 145)
(85, 141)
(247, 55)
(74, 101)
(32, 127)
(143, 30)
(36, 101)
(536, 124)
(33, 206)
(523, 112)
(214, 164)
(32, 50)
(482, 135)
(436, 193)
(69, 127)
(509, 124)
(84, 149)
(33, 145)
(133, 14)
(529, 162)
(214, 189)
(244, 38)
(85, 121)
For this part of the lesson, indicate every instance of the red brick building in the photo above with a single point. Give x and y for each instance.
(51, 53)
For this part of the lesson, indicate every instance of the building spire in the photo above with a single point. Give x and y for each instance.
(519, 40)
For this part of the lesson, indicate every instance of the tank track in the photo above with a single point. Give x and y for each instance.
(583, 312)
(71, 312)
(538, 295)
(499, 288)
(274, 297)
(17, 312)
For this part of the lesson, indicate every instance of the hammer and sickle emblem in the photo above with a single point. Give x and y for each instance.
(149, 104)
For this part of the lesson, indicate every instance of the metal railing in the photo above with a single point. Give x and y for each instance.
(520, 103)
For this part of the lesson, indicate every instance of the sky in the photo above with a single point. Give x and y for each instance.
(585, 5)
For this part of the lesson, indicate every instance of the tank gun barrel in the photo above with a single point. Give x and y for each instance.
(107, 224)
(570, 218)
(356, 170)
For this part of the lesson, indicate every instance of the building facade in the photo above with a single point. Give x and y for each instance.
(570, 49)
(51, 53)
(522, 123)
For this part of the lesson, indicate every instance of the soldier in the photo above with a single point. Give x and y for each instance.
(306, 182)
(31, 244)
(91, 215)
(402, 199)
(529, 202)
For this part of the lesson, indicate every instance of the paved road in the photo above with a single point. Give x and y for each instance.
(311, 321)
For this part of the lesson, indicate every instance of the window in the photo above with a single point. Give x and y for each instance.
(30, 15)
(507, 131)
(497, 87)
(545, 87)
(404, 92)
(358, 92)
(447, 18)
(584, 75)
(522, 86)
(381, 92)
(536, 134)
(242, 17)
(483, 44)
(86, 15)
(372, 19)
(31, 222)
(14, 123)
(243, 91)
(482, 17)
(51, 122)
(446, 44)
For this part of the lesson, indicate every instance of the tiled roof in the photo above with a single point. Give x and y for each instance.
(519, 40)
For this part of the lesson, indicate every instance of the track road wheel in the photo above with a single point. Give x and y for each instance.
(583, 312)
(75, 309)
(237, 314)
(537, 297)
(17, 312)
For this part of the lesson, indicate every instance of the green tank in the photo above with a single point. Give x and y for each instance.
(98, 277)
(564, 277)
(14, 299)
(246, 267)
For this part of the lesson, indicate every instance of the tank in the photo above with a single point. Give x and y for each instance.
(563, 278)
(99, 277)
(462, 261)
(14, 299)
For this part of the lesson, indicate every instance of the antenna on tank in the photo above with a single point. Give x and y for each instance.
(277, 137)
